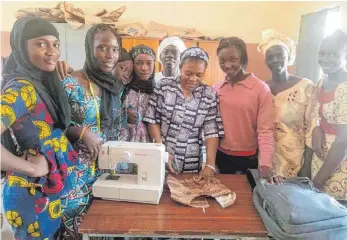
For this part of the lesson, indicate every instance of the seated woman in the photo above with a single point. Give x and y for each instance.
(329, 140)
(35, 112)
(180, 110)
(169, 53)
(292, 97)
(137, 93)
(247, 112)
(94, 95)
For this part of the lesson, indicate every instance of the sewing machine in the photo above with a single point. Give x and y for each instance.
(138, 172)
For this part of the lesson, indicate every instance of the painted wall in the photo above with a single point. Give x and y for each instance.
(243, 19)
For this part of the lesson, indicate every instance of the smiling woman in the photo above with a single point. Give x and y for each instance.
(95, 98)
(293, 106)
(34, 112)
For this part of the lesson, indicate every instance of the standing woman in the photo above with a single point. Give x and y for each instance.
(329, 163)
(94, 95)
(247, 112)
(138, 93)
(292, 97)
(34, 113)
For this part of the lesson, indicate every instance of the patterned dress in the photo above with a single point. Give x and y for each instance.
(33, 205)
(332, 110)
(84, 113)
(183, 121)
(293, 127)
(138, 102)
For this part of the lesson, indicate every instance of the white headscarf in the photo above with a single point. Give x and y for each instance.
(272, 37)
(175, 41)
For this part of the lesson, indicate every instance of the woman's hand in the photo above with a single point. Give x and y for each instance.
(132, 117)
(40, 165)
(170, 165)
(318, 141)
(63, 68)
(266, 173)
(318, 184)
(208, 174)
(93, 143)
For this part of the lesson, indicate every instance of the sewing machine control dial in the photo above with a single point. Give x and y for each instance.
(126, 156)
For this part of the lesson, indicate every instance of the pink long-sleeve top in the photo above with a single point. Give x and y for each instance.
(247, 111)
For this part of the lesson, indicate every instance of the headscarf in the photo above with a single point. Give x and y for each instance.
(106, 81)
(272, 37)
(137, 84)
(175, 41)
(47, 84)
(124, 56)
(195, 52)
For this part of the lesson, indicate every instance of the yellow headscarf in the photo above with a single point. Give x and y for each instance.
(272, 37)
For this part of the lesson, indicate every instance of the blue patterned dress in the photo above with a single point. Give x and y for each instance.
(84, 113)
(33, 205)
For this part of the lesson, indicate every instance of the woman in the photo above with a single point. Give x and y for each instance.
(180, 110)
(169, 53)
(34, 113)
(247, 113)
(138, 92)
(124, 67)
(94, 95)
(329, 163)
(292, 97)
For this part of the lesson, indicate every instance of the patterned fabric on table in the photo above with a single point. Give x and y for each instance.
(294, 126)
(193, 191)
(331, 107)
(83, 111)
(32, 205)
(183, 120)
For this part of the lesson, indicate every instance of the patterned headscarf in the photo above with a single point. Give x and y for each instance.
(272, 37)
(137, 84)
(194, 52)
(142, 49)
(175, 41)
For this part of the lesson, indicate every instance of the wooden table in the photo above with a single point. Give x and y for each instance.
(171, 219)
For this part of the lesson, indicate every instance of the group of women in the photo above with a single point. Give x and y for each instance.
(53, 127)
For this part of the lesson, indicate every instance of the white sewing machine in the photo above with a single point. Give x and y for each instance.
(143, 183)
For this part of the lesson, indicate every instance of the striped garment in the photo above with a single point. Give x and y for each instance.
(184, 121)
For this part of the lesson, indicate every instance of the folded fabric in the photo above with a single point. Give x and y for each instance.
(193, 192)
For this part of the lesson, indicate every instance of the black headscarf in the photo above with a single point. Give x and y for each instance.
(125, 56)
(137, 84)
(105, 80)
(47, 84)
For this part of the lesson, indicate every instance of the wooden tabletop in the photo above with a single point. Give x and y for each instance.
(170, 218)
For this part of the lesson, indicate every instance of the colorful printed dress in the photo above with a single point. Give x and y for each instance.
(32, 205)
(84, 113)
(138, 102)
(332, 110)
(293, 127)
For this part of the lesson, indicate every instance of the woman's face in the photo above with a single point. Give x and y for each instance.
(192, 73)
(170, 57)
(277, 58)
(44, 52)
(124, 71)
(230, 61)
(106, 50)
(332, 57)
(144, 66)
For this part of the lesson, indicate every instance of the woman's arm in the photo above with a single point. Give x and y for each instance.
(336, 155)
